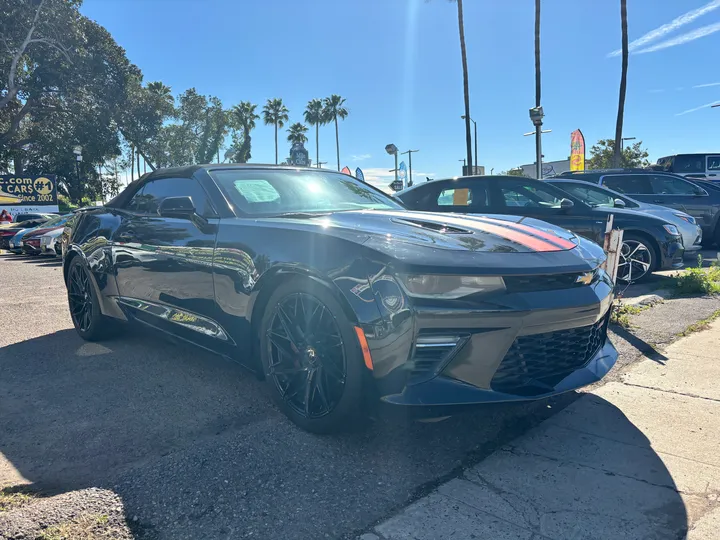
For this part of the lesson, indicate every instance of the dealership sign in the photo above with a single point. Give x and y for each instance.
(28, 194)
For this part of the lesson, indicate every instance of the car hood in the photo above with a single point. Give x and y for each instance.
(477, 243)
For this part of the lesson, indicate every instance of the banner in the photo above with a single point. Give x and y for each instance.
(28, 194)
(402, 174)
(577, 151)
(359, 174)
(346, 170)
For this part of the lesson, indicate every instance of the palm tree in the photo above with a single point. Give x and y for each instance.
(315, 116)
(242, 117)
(334, 109)
(296, 133)
(274, 112)
(466, 85)
(158, 88)
(617, 156)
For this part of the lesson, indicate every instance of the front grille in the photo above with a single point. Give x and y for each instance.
(518, 284)
(535, 364)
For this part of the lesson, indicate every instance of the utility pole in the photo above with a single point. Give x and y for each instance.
(476, 154)
(409, 153)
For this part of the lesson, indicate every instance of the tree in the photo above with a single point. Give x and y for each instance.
(602, 155)
(623, 83)
(296, 133)
(517, 171)
(275, 113)
(242, 121)
(334, 108)
(315, 116)
(466, 84)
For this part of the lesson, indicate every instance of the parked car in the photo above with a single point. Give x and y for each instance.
(649, 243)
(600, 196)
(665, 189)
(9, 231)
(334, 293)
(691, 165)
(50, 243)
(33, 217)
(29, 241)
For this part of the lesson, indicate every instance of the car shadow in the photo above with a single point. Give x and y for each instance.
(642, 346)
(194, 447)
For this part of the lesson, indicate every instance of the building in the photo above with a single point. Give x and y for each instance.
(549, 168)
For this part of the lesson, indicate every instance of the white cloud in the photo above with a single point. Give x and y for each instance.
(361, 157)
(707, 85)
(698, 108)
(673, 25)
(684, 38)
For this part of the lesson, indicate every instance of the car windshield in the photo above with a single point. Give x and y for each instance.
(275, 192)
(592, 196)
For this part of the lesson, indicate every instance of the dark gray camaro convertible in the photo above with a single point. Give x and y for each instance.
(334, 293)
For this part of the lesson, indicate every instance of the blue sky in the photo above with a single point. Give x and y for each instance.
(397, 62)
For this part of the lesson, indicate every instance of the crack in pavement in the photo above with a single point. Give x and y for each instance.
(656, 389)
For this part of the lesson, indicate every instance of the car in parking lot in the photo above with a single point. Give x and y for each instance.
(28, 240)
(7, 232)
(649, 243)
(600, 196)
(691, 165)
(337, 296)
(664, 189)
(50, 243)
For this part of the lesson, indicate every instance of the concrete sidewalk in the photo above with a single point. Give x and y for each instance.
(635, 459)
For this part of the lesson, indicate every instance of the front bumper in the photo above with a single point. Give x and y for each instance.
(672, 253)
(524, 346)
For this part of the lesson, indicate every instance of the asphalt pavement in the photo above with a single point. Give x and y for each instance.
(191, 444)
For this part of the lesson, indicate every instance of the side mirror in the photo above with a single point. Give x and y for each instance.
(177, 207)
(619, 203)
(699, 192)
(566, 204)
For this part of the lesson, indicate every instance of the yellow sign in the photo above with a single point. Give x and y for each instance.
(577, 151)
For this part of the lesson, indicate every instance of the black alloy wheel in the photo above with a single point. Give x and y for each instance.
(311, 357)
(637, 259)
(89, 322)
(80, 298)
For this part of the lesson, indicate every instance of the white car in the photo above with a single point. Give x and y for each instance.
(595, 195)
(50, 243)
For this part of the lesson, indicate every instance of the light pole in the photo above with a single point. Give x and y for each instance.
(410, 153)
(464, 164)
(536, 116)
(393, 151)
(476, 156)
(77, 150)
(536, 139)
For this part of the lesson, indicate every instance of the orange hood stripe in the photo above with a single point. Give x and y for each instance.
(557, 240)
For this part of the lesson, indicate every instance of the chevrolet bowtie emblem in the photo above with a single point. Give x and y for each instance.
(585, 278)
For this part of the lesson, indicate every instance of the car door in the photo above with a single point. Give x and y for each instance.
(164, 264)
(532, 198)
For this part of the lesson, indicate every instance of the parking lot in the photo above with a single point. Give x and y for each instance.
(192, 444)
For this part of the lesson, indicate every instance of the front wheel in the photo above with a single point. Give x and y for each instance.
(311, 357)
(89, 322)
(637, 259)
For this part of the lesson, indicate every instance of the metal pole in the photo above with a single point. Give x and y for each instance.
(396, 167)
(538, 151)
(410, 165)
(476, 156)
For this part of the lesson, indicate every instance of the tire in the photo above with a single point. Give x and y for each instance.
(642, 251)
(311, 357)
(89, 322)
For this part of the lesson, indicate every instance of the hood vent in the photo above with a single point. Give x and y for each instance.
(432, 225)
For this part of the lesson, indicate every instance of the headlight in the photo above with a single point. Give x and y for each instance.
(448, 287)
(685, 217)
(671, 229)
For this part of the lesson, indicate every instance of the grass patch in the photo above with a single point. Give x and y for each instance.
(699, 280)
(13, 497)
(701, 325)
(87, 527)
(621, 314)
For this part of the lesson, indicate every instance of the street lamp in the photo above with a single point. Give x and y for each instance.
(476, 155)
(77, 150)
(393, 151)
(536, 116)
(410, 153)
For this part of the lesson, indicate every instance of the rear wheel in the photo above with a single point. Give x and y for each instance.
(637, 259)
(89, 322)
(311, 357)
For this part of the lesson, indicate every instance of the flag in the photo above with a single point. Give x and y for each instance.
(359, 174)
(577, 151)
(346, 170)
(402, 174)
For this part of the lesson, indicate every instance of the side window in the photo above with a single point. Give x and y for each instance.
(473, 196)
(589, 195)
(669, 185)
(632, 184)
(684, 164)
(713, 163)
(529, 196)
(148, 199)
